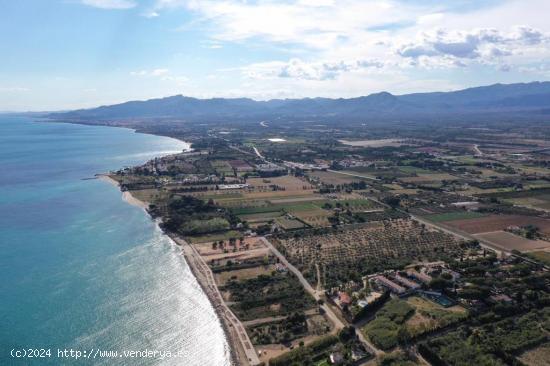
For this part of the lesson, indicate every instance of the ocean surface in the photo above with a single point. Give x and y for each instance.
(80, 268)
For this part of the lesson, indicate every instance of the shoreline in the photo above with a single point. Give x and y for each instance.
(126, 195)
(237, 356)
(133, 129)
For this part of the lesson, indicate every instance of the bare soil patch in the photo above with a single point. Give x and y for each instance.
(499, 222)
(510, 241)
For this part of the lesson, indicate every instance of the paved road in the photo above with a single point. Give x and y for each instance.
(477, 151)
(258, 153)
(316, 294)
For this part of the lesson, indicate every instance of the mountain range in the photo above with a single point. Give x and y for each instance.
(522, 99)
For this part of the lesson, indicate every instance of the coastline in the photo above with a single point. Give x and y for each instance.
(126, 195)
(196, 265)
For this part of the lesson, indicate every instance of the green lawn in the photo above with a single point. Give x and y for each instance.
(214, 237)
(288, 207)
(451, 216)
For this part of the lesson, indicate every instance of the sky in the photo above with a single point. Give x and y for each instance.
(68, 54)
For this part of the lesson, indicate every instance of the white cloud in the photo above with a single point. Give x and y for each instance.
(403, 34)
(472, 44)
(161, 74)
(150, 14)
(296, 68)
(154, 72)
(110, 4)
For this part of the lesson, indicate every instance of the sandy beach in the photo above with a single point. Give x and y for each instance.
(230, 324)
(126, 195)
(242, 351)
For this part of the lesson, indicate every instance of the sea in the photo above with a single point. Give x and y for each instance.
(81, 270)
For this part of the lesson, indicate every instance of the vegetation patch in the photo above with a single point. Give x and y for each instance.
(450, 216)
(387, 329)
(492, 344)
(266, 296)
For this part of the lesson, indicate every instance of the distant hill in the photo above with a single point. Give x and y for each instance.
(494, 100)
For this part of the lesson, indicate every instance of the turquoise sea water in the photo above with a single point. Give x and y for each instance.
(81, 269)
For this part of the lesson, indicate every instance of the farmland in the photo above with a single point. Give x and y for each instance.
(488, 344)
(401, 320)
(451, 216)
(510, 241)
(498, 222)
(537, 356)
(348, 249)
(365, 248)
(335, 178)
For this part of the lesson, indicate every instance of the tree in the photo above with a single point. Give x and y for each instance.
(392, 201)
(403, 335)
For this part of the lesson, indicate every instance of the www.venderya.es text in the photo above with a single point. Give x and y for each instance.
(93, 353)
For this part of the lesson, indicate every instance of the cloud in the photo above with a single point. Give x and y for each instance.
(161, 74)
(154, 72)
(110, 4)
(296, 68)
(484, 44)
(316, 24)
(150, 14)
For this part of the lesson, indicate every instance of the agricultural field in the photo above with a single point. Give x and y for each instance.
(314, 218)
(223, 277)
(541, 256)
(222, 167)
(429, 316)
(451, 216)
(537, 184)
(289, 224)
(261, 216)
(296, 326)
(386, 329)
(540, 201)
(510, 241)
(288, 183)
(499, 222)
(356, 205)
(408, 169)
(401, 320)
(218, 253)
(536, 357)
(429, 178)
(373, 143)
(361, 249)
(206, 238)
(538, 198)
(491, 344)
(336, 178)
(267, 296)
